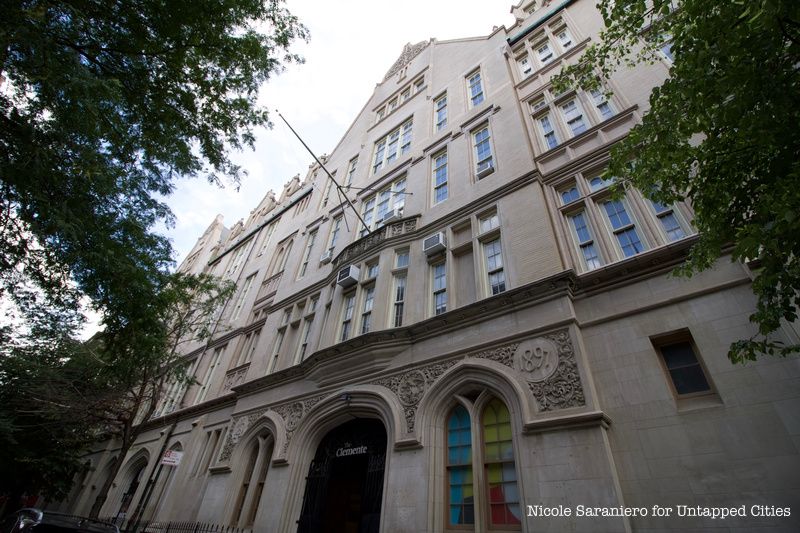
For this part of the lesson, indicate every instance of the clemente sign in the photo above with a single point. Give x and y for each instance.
(344, 452)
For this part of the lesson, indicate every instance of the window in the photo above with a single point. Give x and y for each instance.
(569, 194)
(440, 112)
(584, 240)
(405, 94)
(492, 252)
(267, 236)
(440, 177)
(475, 89)
(544, 53)
(312, 237)
(439, 272)
(209, 374)
(351, 171)
(336, 227)
(304, 336)
(243, 292)
(604, 109)
(366, 312)
(489, 222)
(347, 316)
(399, 299)
(599, 182)
(573, 116)
(255, 473)
(686, 372)
(401, 259)
(623, 228)
(669, 221)
(248, 348)
(371, 270)
(483, 151)
(389, 199)
(564, 38)
(237, 259)
(499, 498)
(327, 190)
(276, 349)
(548, 134)
(524, 65)
(386, 149)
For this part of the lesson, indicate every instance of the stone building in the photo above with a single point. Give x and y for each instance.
(501, 334)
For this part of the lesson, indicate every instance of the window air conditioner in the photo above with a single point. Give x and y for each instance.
(393, 215)
(326, 257)
(434, 244)
(485, 168)
(348, 276)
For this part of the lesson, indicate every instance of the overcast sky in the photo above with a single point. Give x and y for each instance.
(353, 43)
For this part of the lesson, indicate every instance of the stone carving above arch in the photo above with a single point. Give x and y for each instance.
(562, 388)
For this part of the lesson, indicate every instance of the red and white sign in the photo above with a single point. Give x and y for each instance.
(171, 458)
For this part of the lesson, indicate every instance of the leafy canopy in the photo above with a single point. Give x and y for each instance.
(722, 131)
(103, 105)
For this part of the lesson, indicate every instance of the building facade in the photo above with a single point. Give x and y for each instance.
(494, 333)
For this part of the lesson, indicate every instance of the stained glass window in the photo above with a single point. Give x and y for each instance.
(459, 468)
(498, 457)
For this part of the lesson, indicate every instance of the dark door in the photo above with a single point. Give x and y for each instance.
(344, 487)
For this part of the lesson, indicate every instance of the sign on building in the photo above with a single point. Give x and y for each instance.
(171, 458)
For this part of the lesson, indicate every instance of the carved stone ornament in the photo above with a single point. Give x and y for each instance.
(234, 378)
(239, 427)
(536, 359)
(409, 52)
(374, 239)
(411, 388)
(562, 388)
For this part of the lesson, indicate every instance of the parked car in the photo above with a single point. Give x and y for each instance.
(31, 520)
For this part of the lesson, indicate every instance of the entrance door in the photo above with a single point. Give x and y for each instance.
(344, 487)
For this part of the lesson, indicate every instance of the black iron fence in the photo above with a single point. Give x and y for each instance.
(126, 526)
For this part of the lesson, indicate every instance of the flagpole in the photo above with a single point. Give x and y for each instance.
(338, 187)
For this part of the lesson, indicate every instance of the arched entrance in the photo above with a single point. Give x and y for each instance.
(344, 487)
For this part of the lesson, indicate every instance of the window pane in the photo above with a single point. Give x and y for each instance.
(459, 476)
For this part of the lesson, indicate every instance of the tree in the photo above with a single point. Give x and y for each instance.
(721, 131)
(104, 104)
(88, 391)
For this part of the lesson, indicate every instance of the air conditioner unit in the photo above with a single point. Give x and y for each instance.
(326, 257)
(434, 244)
(393, 215)
(348, 276)
(485, 168)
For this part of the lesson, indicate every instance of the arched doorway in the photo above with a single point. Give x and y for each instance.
(135, 475)
(344, 487)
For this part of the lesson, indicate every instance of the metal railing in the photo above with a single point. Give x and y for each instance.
(125, 526)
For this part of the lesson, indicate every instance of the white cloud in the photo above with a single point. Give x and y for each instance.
(353, 43)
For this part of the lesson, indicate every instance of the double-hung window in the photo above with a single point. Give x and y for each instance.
(623, 228)
(564, 38)
(351, 171)
(396, 143)
(440, 112)
(366, 311)
(601, 103)
(584, 240)
(544, 52)
(336, 227)
(548, 133)
(390, 199)
(573, 116)
(481, 142)
(439, 274)
(669, 221)
(475, 89)
(440, 177)
(347, 316)
(399, 298)
(492, 252)
(524, 66)
(312, 238)
(242, 297)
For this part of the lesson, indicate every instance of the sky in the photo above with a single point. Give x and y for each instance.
(353, 43)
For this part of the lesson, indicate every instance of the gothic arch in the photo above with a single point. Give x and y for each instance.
(469, 375)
